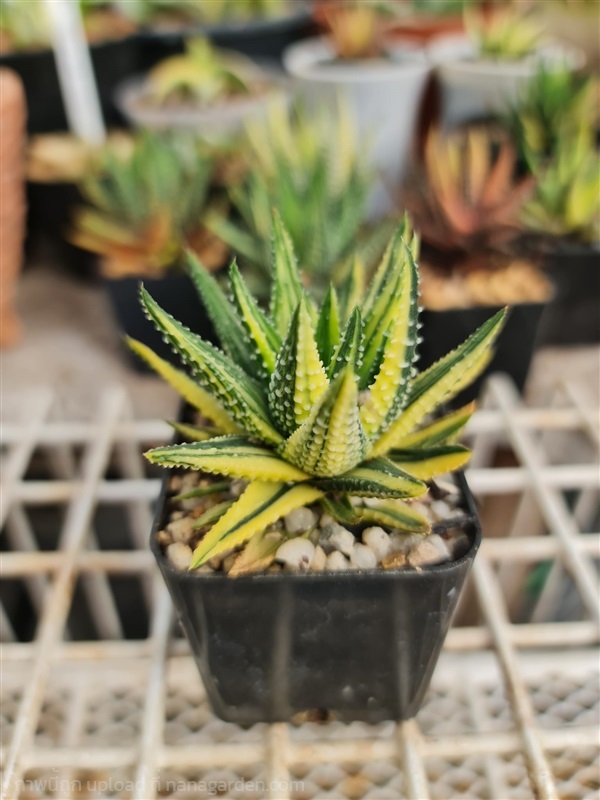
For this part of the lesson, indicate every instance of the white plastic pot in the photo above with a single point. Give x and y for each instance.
(474, 87)
(384, 96)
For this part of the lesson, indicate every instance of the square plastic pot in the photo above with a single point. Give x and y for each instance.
(444, 330)
(175, 293)
(359, 645)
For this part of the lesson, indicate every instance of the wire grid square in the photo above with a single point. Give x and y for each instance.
(100, 698)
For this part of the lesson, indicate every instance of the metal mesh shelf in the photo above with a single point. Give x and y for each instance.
(100, 697)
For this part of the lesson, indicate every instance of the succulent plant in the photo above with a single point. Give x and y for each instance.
(566, 202)
(147, 207)
(308, 167)
(201, 11)
(356, 28)
(469, 198)
(202, 76)
(505, 34)
(316, 404)
(553, 105)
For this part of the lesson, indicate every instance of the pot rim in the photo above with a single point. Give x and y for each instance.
(323, 576)
(305, 59)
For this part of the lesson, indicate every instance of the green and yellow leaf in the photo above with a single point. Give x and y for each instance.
(442, 431)
(379, 477)
(327, 333)
(194, 433)
(425, 463)
(394, 515)
(286, 289)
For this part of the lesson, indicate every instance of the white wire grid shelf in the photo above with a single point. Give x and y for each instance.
(100, 697)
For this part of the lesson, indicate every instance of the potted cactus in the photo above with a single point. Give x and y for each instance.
(308, 166)
(466, 200)
(484, 69)
(143, 210)
(296, 534)
(382, 79)
(205, 89)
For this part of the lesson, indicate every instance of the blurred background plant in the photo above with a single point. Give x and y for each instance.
(148, 12)
(146, 208)
(502, 33)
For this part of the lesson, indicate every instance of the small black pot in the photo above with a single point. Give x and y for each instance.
(175, 293)
(359, 645)
(573, 316)
(112, 60)
(445, 330)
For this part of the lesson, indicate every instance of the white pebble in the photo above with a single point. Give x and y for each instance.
(238, 487)
(431, 550)
(326, 519)
(337, 562)
(319, 559)
(362, 557)
(181, 529)
(441, 509)
(404, 542)
(180, 555)
(336, 537)
(300, 520)
(296, 554)
(378, 541)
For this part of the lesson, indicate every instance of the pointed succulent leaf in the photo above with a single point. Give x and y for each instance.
(195, 395)
(388, 392)
(212, 514)
(396, 515)
(257, 555)
(202, 491)
(299, 379)
(194, 433)
(240, 242)
(340, 508)
(240, 395)
(427, 462)
(286, 289)
(328, 326)
(261, 505)
(442, 431)
(353, 289)
(233, 338)
(234, 456)
(265, 339)
(350, 348)
(331, 441)
(376, 478)
(442, 381)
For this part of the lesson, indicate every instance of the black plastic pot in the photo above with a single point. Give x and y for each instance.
(359, 645)
(445, 330)
(573, 316)
(175, 293)
(112, 61)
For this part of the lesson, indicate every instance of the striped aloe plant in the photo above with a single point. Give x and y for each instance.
(316, 404)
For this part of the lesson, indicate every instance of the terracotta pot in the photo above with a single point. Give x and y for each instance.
(13, 116)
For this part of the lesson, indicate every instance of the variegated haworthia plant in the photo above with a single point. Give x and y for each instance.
(316, 405)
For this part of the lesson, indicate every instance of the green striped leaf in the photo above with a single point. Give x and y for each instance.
(376, 478)
(299, 379)
(442, 381)
(353, 289)
(232, 337)
(425, 463)
(328, 326)
(194, 433)
(212, 514)
(265, 339)
(394, 515)
(240, 395)
(286, 290)
(332, 440)
(442, 431)
(261, 505)
(202, 491)
(350, 349)
(340, 508)
(195, 395)
(388, 392)
(234, 456)
(242, 243)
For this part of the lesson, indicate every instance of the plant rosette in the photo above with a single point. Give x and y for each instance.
(316, 460)
(383, 93)
(474, 86)
(220, 117)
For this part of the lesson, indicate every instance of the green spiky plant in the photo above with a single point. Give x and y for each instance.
(316, 404)
(308, 167)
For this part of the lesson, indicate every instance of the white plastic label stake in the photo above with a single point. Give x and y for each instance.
(75, 72)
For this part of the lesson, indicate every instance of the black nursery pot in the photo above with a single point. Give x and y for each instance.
(445, 330)
(175, 293)
(357, 645)
(573, 316)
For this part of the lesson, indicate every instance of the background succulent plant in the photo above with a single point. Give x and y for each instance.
(146, 207)
(504, 34)
(316, 404)
(308, 167)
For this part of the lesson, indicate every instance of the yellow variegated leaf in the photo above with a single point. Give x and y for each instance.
(431, 461)
(187, 388)
(442, 431)
(311, 379)
(194, 433)
(261, 505)
(395, 515)
(377, 478)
